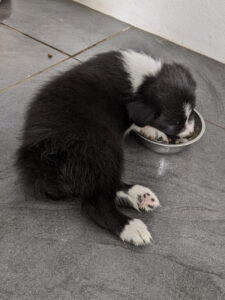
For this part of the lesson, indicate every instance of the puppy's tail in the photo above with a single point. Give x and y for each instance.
(38, 171)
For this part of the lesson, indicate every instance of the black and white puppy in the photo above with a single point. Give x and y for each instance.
(74, 128)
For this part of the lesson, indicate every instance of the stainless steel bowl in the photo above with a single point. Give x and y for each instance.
(174, 148)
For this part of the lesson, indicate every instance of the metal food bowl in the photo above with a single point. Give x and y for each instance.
(159, 147)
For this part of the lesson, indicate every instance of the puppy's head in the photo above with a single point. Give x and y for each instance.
(166, 101)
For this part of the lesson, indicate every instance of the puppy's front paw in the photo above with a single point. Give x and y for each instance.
(161, 137)
(136, 232)
(143, 197)
(154, 134)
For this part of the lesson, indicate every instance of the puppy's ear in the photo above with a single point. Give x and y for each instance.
(140, 113)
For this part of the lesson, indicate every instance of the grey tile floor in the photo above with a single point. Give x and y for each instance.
(47, 249)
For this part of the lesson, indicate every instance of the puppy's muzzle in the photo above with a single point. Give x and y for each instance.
(188, 129)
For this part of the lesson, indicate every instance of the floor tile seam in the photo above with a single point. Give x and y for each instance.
(102, 41)
(61, 61)
(35, 39)
(61, 51)
(214, 124)
(34, 74)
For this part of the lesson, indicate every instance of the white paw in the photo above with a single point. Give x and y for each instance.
(154, 134)
(143, 198)
(136, 232)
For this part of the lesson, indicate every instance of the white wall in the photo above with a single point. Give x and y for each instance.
(195, 24)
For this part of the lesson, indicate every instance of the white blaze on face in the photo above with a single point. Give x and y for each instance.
(189, 124)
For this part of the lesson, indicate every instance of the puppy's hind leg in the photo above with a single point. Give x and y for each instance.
(136, 196)
(102, 181)
(103, 211)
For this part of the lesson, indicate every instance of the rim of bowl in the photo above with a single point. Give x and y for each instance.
(183, 144)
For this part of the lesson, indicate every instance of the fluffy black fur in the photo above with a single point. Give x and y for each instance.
(160, 99)
(73, 133)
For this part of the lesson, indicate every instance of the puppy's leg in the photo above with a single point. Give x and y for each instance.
(151, 132)
(137, 196)
(103, 211)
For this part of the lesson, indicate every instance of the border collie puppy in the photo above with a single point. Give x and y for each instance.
(72, 142)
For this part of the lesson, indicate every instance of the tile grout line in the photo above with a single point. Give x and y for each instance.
(212, 123)
(33, 75)
(102, 41)
(77, 59)
(59, 62)
(35, 39)
(61, 51)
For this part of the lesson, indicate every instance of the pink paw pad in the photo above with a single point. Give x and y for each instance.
(146, 200)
